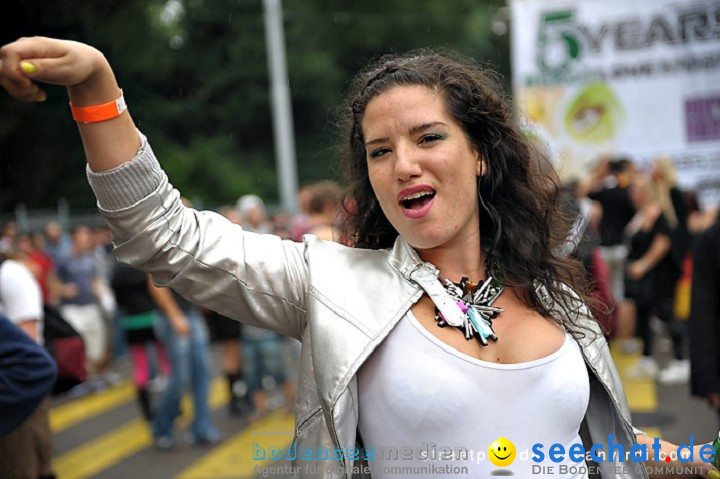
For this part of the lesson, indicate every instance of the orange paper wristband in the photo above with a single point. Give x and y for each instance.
(96, 113)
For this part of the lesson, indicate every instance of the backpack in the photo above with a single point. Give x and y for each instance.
(66, 346)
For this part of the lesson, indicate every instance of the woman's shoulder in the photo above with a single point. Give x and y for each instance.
(320, 246)
(570, 309)
(334, 264)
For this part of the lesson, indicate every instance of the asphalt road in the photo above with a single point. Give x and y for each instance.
(102, 435)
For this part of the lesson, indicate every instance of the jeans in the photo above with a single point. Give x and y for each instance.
(190, 360)
(262, 357)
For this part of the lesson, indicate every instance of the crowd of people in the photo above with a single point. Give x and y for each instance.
(644, 226)
(52, 275)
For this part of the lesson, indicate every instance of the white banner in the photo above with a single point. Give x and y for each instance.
(638, 78)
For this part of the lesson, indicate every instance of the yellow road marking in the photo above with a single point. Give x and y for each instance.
(104, 451)
(641, 393)
(235, 458)
(107, 450)
(652, 432)
(81, 409)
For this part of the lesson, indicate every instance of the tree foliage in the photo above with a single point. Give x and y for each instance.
(195, 76)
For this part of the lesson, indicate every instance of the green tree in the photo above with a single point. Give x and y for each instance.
(195, 76)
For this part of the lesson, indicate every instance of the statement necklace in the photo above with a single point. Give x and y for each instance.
(475, 301)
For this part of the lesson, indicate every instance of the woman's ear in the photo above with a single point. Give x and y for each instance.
(481, 166)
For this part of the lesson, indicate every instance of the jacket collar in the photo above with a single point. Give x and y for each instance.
(406, 260)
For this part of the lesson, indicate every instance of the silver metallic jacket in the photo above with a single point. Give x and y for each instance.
(340, 302)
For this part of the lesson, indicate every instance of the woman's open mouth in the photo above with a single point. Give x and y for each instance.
(417, 204)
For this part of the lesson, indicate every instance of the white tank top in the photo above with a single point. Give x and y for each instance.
(427, 409)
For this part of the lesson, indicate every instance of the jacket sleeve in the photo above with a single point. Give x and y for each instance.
(258, 279)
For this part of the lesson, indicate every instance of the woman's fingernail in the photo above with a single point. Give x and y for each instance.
(28, 67)
(42, 97)
(714, 474)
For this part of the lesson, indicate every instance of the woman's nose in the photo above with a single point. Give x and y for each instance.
(407, 165)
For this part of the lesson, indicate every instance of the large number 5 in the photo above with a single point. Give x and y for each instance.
(557, 44)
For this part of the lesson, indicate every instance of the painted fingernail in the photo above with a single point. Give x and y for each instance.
(714, 474)
(41, 98)
(28, 67)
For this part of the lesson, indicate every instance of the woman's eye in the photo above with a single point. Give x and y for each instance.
(379, 152)
(430, 137)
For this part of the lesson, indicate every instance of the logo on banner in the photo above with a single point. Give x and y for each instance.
(564, 39)
(558, 42)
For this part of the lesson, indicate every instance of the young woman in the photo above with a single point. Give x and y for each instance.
(445, 187)
(651, 274)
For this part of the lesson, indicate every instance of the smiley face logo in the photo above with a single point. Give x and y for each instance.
(501, 452)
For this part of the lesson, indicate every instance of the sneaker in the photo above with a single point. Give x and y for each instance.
(112, 378)
(630, 346)
(164, 443)
(158, 384)
(677, 372)
(645, 368)
(656, 325)
(81, 390)
(209, 440)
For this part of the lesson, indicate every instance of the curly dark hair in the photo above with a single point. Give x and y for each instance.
(522, 224)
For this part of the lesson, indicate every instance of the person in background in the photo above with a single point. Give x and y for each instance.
(58, 243)
(673, 200)
(281, 224)
(29, 448)
(675, 208)
(21, 296)
(263, 368)
(229, 333)
(651, 273)
(41, 265)
(253, 214)
(301, 218)
(183, 331)
(27, 374)
(80, 305)
(583, 244)
(704, 319)
(7, 239)
(323, 212)
(137, 317)
(608, 187)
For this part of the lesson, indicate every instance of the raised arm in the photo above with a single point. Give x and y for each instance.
(253, 278)
(29, 62)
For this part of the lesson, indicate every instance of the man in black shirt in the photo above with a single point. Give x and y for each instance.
(608, 187)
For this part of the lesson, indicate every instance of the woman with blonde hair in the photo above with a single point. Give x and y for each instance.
(651, 275)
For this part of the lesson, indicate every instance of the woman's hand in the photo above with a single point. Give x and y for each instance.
(637, 269)
(713, 399)
(709, 472)
(90, 81)
(180, 325)
(30, 61)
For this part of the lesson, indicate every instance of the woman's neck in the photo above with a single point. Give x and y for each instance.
(454, 262)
